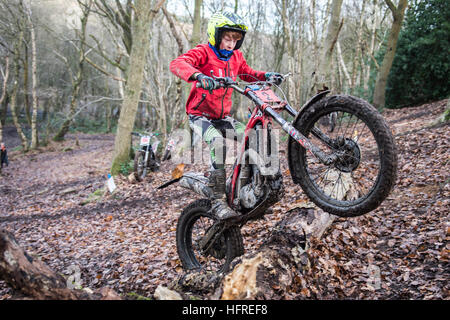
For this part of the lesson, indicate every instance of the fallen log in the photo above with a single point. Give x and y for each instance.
(269, 273)
(33, 278)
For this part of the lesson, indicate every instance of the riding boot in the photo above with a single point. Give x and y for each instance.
(219, 205)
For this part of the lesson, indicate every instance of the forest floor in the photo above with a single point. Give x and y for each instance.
(52, 200)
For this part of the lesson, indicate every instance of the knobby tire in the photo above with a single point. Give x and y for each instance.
(349, 109)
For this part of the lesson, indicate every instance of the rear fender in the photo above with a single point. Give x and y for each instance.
(305, 107)
(194, 181)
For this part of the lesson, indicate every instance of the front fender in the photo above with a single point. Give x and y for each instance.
(291, 141)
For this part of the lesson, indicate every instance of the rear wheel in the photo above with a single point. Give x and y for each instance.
(166, 156)
(195, 221)
(140, 169)
(365, 170)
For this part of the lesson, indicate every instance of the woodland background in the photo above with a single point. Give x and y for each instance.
(77, 76)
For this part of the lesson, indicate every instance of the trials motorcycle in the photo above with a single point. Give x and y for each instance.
(340, 151)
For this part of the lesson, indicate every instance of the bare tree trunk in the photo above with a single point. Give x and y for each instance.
(282, 258)
(5, 75)
(108, 107)
(35, 279)
(162, 107)
(274, 268)
(181, 50)
(342, 63)
(25, 25)
(340, 81)
(119, 13)
(4, 108)
(371, 48)
(300, 50)
(26, 85)
(141, 23)
(398, 14)
(315, 44)
(290, 47)
(22, 136)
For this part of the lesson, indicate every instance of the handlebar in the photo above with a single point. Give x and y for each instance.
(225, 82)
(229, 83)
(146, 133)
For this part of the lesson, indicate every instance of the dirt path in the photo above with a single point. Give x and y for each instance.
(50, 201)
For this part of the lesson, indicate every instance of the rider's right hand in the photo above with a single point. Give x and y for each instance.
(276, 77)
(207, 83)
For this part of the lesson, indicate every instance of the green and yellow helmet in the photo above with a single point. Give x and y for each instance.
(225, 21)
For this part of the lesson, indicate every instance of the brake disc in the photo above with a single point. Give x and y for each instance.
(349, 157)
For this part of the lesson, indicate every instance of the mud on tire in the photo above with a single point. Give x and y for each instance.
(139, 165)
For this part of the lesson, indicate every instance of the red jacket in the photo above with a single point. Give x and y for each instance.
(203, 59)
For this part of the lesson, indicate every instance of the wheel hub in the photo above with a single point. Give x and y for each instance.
(349, 157)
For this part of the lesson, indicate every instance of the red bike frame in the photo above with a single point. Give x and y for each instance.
(256, 117)
(267, 107)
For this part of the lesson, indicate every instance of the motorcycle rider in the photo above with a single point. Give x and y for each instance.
(209, 110)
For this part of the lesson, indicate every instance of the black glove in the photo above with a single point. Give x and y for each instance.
(276, 77)
(207, 83)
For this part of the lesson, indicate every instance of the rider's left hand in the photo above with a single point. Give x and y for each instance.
(275, 76)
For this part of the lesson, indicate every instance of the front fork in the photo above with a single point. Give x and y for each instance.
(147, 152)
(326, 159)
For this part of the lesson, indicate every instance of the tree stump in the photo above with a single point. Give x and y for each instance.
(35, 279)
(269, 273)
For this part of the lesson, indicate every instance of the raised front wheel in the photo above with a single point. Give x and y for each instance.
(364, 171)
